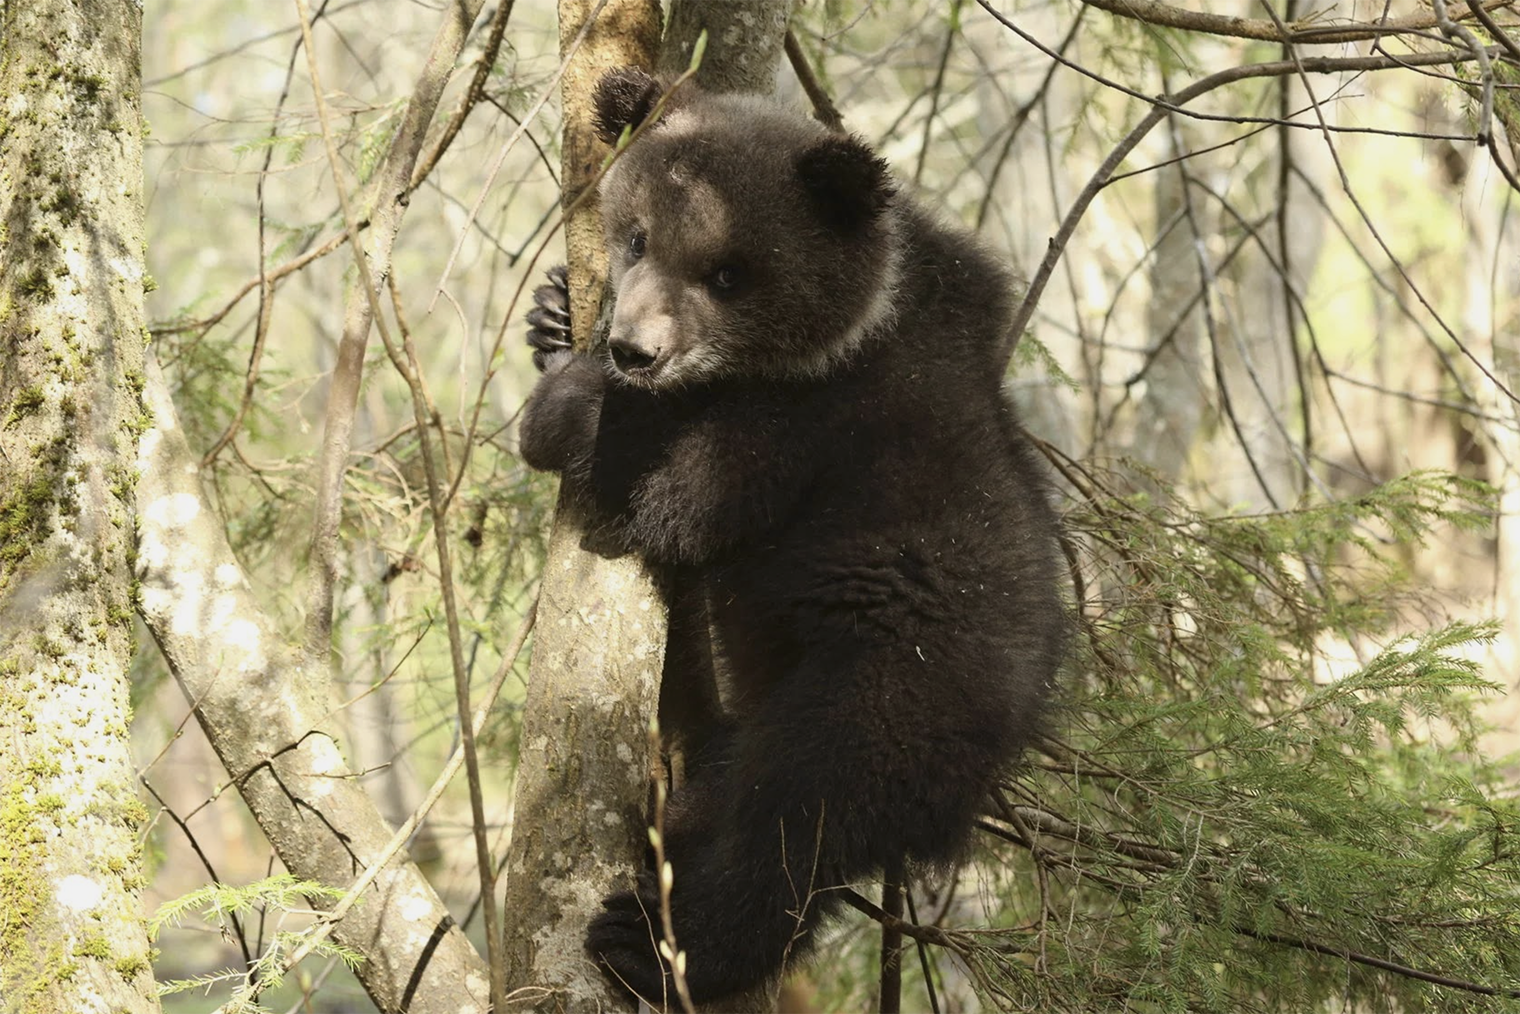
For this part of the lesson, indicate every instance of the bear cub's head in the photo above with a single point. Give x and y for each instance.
(744, 240)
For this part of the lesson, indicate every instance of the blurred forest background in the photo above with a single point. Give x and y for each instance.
(1273, 369)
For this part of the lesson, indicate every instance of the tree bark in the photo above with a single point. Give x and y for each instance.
(72, 931)
(583, 767)
(268, 721)
(583, 771)
(744, 42)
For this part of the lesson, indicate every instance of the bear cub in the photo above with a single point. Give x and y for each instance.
(797, 422)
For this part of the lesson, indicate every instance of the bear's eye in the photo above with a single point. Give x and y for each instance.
(725, 279)
(637, 244)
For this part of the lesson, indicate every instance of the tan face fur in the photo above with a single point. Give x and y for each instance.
(744, 243)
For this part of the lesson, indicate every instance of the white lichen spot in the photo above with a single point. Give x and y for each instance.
(79, 893)
(325, 758)
(415, 907)
(155, 601)
(625, 753)
(128, 268)
(610, 819)
(244, 635)
(172, 511)
(149, 443)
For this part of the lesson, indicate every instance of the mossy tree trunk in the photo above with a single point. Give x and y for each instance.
(584, 766)
(72, 933)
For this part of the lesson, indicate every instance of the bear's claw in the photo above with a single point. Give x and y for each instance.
(549, 320)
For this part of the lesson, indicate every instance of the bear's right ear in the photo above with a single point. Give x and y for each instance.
(624, 97)
(849, 185)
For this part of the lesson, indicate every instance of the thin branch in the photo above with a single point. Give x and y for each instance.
(411, 371)
(508, 145)
(1019, 118)
(361, 311)
(1480, 11)
(1290, 299)
(928, 934)
(424, 169)
(823, 107)
(195, 846)
(329, 920)
(893, 888)
(669, 948)
(1356, 957)
(343, 393)
(266, 289)
(923, 957)
(937, 88)
(1461, 35)
(1162, 15)
(472, 95)
(1159, 108)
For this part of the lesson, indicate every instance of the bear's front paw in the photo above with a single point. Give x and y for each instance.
(549, 320)
(623, 940)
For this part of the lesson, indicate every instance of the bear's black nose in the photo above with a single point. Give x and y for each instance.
(629, 357)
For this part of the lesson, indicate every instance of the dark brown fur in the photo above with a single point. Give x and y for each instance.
(799, 424)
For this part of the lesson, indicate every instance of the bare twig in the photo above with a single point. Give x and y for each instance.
(1164, 15)
(1159, 108)
(1461, 35)
(507, 146)
(387, 205)
(923, 956)
(893, 888)
(928, 934)
(824, 110)
(266, 288)
(411, 371)
(952, 28)
(675, 958)
(329, 920)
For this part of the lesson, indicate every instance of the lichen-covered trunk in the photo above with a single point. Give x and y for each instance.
(72, 933)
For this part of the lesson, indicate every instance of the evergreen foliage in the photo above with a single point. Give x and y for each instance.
(1256, 778)
(221, 904)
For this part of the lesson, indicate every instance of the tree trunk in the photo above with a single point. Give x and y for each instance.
(583, 771)
(267, 723)
(72, 933)
(744, 42)
(583, 767)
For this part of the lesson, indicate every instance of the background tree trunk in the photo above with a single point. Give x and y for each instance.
(583, 770)
(72, 934)
(268, 723)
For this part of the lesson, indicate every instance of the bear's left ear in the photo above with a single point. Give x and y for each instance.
(624, 97)
(849, 185)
